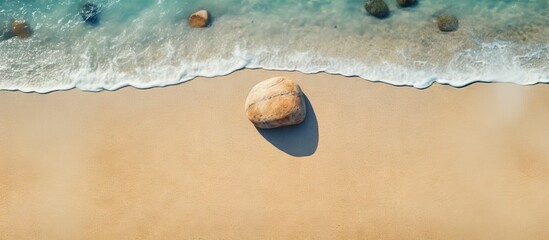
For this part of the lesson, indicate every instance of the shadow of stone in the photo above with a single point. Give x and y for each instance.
(5, 28)
(94, 22)
(410, 5)
(298, 140)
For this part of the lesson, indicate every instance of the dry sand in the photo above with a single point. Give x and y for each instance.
(372, 161)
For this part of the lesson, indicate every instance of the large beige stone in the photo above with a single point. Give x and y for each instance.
(21, 28)
(199, 19)
(275, 102)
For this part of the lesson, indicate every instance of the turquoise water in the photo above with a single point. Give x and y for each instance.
(147, 43)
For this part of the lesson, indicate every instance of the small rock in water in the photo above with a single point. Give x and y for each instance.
(377, 8)
(20, 28)
(275, 102)
(90, 13)
(406, 3)
(199, 19)
(447, 23)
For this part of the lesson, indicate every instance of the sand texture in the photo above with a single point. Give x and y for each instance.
(371, 161)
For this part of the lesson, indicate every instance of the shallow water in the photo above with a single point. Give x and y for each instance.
(147, 43)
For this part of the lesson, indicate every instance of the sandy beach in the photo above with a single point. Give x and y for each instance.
(371, 161)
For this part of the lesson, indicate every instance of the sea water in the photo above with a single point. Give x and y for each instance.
(148, 43)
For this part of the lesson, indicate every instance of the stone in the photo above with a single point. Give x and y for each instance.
(20, 28)
(199, 19)
(406, 3)
(275, 102)
(447, 23)
(377, 8)
(90, 13)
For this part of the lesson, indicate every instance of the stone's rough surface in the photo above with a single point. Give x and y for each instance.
(377, 8)
(275, 102)
(20, 28)
(90, 13)
(199, 19)
(447, 23)
(406, 3)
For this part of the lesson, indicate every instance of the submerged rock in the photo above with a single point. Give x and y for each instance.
(447, 23)
(406, 3)
(90, 13)
(377, 8)
(20, 28)
(199, 19)
(275, 102)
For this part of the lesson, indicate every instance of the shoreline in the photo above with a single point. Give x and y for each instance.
(126, 85)
(371, 161)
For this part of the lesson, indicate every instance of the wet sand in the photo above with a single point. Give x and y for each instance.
(371, 161)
